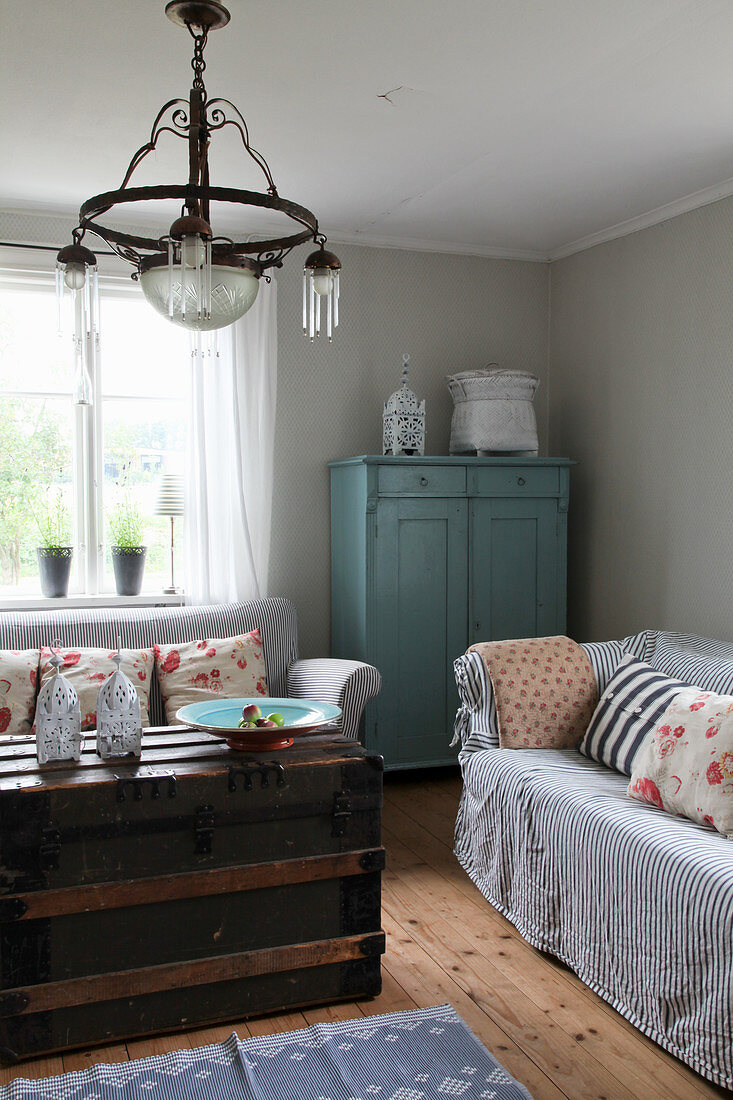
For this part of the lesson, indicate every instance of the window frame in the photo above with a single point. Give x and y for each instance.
(86, 588)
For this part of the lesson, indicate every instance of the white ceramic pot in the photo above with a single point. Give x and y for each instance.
(493, 412)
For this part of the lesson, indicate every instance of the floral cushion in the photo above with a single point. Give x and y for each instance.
(18, 679)
(223, 667)
(686, 766)
(545, 691)
(88, 668)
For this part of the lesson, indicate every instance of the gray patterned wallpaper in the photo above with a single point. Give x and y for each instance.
(642, 396)
(449, 313)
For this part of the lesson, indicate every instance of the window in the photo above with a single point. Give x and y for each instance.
(80, 463)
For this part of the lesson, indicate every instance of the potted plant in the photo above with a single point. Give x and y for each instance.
(128, 552)
(54, 553)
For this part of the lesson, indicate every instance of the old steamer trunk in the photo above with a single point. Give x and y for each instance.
(194, 885)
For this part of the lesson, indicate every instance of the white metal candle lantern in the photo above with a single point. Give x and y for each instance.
(58, 718)
(119, 729)
(403, 420)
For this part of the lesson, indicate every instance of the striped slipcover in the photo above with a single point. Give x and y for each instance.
(349, 684)
(639, 903)
(476, 725)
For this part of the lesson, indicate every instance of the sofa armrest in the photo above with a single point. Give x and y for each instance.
(348, 684)
(476, 725)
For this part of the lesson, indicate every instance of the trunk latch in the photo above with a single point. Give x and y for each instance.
(341, 812)
(203, 829)
(50, 848)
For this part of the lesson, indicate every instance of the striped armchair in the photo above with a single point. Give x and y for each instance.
(348, 684)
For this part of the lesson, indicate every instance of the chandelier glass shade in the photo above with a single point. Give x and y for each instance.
(188, 274)
(191, 291)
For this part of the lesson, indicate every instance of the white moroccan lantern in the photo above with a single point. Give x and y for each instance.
(58, 718)
(119, 729)
(404, 420)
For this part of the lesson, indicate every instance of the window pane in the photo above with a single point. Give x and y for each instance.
(143, 439)
(32, 354)
(142, 354)
(36, 485)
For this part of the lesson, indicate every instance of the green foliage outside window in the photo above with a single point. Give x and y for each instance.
(34, 449)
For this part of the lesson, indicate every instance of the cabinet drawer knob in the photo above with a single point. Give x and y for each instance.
(521, 481)
(423, 481)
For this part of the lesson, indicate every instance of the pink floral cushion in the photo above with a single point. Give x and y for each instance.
(88, 668)
(686, 766)
(223, 667)
(545, 691)
(18, 681)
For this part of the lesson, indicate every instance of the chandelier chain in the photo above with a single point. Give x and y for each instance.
(197, 61)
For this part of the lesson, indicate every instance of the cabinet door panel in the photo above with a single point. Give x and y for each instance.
(422, 589)
(515, 580)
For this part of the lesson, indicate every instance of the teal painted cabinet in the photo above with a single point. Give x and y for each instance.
(429, 555)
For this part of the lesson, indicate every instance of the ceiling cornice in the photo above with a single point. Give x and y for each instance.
(684, 205)
(416, 244)
(669, 210)
(60, 216)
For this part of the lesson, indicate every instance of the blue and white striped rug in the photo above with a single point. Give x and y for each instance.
(428, 1054)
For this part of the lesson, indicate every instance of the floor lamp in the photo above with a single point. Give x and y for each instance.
(170, 503)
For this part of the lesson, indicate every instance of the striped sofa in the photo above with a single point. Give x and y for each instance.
(637, 902)
(348, 684)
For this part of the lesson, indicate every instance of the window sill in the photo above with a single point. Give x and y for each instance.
(41, 603)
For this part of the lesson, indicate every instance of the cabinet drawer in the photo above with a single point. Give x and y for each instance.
(516, 481)
(429, 481)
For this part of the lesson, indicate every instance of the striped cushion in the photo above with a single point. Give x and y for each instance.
(635, 698)
(700, 661)
(140, 628)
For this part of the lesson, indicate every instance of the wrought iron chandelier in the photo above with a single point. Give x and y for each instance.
(193, 277)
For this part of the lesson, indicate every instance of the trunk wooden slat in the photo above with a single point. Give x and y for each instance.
(194, 885)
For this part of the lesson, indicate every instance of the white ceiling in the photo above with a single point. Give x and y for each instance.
(521, 127)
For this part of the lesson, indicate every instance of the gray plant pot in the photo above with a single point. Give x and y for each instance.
(54, 569)
(129, 566)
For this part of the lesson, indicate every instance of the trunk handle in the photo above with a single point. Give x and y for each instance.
(137, 783)
(250, 770)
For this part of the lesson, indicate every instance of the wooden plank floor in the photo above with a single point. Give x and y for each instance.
(446, 944)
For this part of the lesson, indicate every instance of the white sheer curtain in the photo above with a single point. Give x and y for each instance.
(230, 453)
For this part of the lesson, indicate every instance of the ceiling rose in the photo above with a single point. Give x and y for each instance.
(193, 277)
